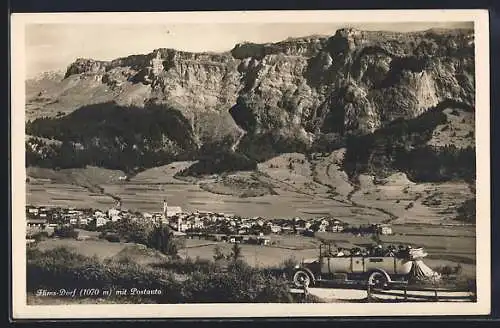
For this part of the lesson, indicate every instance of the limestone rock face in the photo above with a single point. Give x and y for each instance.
(298, 91)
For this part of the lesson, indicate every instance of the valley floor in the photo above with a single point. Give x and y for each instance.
(287, 186)
(422, 214)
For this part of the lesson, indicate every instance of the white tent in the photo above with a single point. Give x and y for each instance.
(419, 270)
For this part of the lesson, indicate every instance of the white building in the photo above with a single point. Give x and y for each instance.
(275, 229)
(113, 212)
(98, 214)
(83, 221)
(174, 210)
(336, 228)
(385, 229)
(100, 221)
(115, 218)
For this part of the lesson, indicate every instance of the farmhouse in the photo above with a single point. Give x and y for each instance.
(36, 223)
(100, 221)
(116, 218)
(336, 228)
(83, 221)
(385, 229)
(99, 214)
(275, 228)
(113, 212)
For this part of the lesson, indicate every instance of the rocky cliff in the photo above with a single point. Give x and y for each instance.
(287, 96)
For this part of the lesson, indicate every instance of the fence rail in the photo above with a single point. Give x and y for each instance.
(430, 294)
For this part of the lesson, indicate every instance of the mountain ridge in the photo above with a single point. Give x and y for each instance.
(302, 94)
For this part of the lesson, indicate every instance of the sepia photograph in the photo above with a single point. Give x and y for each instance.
(250, 164)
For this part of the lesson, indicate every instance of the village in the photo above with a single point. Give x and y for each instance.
(203, 225)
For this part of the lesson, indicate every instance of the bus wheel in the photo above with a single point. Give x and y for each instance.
(377, 280)
(301, 279)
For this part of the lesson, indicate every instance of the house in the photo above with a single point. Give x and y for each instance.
(275, 228)
(321, 228)
(198, 223)
(36, 223)
(33, 211)
(385, 229)
(73, 221)
(236, 239)
(336, 228)
(113, 212)
(185, 226)
(83, 221)
(99, 214)
(264, 241)
(100, 221)
(115, 218)
(300, 230)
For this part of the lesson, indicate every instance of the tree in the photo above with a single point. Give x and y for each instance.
(236, 252)
(218, 254)
(162, 239)
(376, 236)
(66, 232)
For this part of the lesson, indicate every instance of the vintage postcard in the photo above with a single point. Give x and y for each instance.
(250, 164)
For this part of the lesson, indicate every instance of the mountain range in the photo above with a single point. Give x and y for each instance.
(395, 102)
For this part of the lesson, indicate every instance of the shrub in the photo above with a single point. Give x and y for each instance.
(467, 211)
(66, 232)
(446, 270)
(162, 239)
(42, 235)
(63, 268)
(236, 252)
(111, 237)
(218, 254)
(240, 283)
(220, 162)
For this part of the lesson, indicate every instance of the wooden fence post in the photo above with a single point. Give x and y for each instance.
(436, 295)
(406, 295)
(306, 293)
(369, 292)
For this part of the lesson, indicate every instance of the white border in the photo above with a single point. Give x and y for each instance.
(23, 311)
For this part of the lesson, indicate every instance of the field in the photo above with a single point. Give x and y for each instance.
(100, 248)
(287, 186)
(452, 252)
(422, 214)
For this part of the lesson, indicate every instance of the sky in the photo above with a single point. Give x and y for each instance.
(54, 46)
